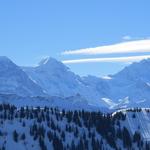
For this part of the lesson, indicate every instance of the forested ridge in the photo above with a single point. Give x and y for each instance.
(51, 128)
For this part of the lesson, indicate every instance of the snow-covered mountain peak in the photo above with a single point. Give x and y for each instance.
(4, 59)
(145, 61)
(47, 60)
(8, 68)
(50, 63)
(6, 63)
(13, 80)
(55, 79)
(135, 71)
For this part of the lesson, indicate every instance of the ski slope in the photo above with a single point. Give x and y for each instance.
(140, 123)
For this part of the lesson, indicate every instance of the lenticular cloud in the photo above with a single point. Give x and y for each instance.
(107, 59)
(139, 46)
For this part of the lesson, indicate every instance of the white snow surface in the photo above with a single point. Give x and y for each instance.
(9, 126)
(140, 123)
(128, 88)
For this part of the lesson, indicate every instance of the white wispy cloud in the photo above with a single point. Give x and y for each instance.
(107, 59)
(123, 47)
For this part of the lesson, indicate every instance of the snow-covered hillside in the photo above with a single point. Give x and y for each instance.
(138, 120)
(57, 80)
(51, 78)
(54, 77)
(132, 82)
(55, 129)
(68, 103)
(15, 81)
(129, 87)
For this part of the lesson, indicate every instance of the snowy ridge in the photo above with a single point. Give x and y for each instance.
(68, 103)
(15, 81)
(125, 89)
(51, 78)
(141, 123)
(50, 128)
(137, 120)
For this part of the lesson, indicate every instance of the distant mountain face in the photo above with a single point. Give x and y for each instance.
(132, 82)
(14, 80)
(56, 79)
(136, 71)
(129, 87)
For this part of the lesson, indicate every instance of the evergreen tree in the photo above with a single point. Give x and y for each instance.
(57, 143)
(15, 136)
(127, 142)
(23, 136)
(42, 144)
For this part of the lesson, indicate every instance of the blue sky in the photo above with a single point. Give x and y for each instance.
(33, 29)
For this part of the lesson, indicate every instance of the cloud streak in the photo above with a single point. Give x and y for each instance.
(139, 46)
(107, 59)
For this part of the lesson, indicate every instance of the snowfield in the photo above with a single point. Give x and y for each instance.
(140, 123)
(127, 88)
(51, 78)
(137, 121)
(48, 107)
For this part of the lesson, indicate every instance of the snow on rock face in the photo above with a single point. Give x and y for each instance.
(68, 103)
(51, 64)
(138, 70)
(54, 77)
(57, 80)
(107, 77)
(14, 80)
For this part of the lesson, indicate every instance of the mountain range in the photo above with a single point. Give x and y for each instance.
(50, 78)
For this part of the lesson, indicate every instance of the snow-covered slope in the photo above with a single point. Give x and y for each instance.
(132, 83)
(15, 81)
(44, 129)
(57, 80)
(49, 128)
(54, 77)
(69, 103)
(129, 87)
(137, 120)
(135, 71)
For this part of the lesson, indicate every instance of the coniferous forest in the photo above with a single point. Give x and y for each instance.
(52, 128)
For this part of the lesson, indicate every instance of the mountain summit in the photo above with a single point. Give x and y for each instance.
(129, 87)
(52, 63)
(15, 81)
(54, 77)
(135, 71)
